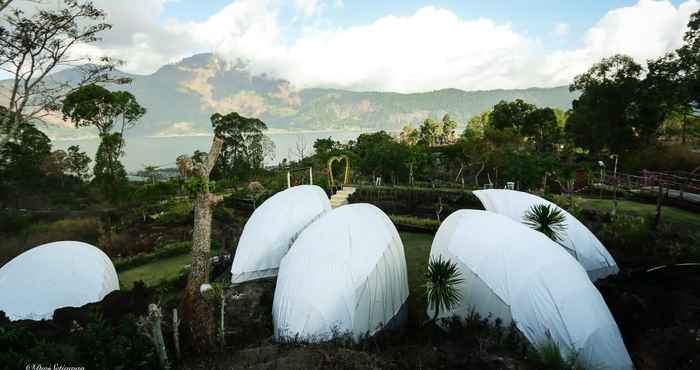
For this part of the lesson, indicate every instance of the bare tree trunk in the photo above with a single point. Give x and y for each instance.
(659, 199)
(151, 328)
(199, 314)
(176, 334)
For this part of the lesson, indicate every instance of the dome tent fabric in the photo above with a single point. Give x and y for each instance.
(576, 239)
(516, 274)
(272, 228)
(55, 275)
(345, 275)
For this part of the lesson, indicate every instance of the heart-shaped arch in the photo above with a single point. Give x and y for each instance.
(339, 159)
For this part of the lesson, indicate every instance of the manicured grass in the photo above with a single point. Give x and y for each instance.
(416, 247)
(155, 272)
(417, 250)
(668, 214)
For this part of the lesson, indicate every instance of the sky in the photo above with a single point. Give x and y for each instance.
(398, 45)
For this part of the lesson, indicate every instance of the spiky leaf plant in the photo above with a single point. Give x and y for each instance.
(546, 219)
(442, 279)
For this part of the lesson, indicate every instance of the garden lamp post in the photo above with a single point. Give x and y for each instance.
(614, 210)
(601, 164)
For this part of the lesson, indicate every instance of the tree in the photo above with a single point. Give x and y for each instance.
(55, 163)
(109, 172)
(429, 132)
(93, 105)
(542, 128)
(447, 131)
(618, 110)
(546, 219)
(409, 135)
(78, 163)
(442, 279)
(378, 154)
(245, 146)
(20, 158)
(31, 47)
(198, 314)
(510, 114)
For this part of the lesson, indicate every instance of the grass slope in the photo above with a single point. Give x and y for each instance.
(668, 214)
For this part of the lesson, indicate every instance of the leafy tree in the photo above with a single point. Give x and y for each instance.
(442, 279)
(541, 126)
(477, 124)
(379, 154)
(109, 172)
(31, 47)
(21, 157)
(245, 146)
(55, 163)
(618, 110)
(93, 105)
(510, 114)
(409, 135)
(326, 148)
(447, 131)
(429, 133)
(77, 162)
(546, 219)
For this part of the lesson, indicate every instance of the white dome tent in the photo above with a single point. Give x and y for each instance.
(55, 275)
(519, 275)
(345, 275)
(576, 239)
(272, 228)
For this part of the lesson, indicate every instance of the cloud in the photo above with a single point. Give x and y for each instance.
(307, 6)
(434, 48)
(430, 49)
(561, 29)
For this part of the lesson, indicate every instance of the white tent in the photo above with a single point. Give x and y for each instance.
(519, 275)
(55, 275)
(272, 228)
(345, 275)
(577, 239)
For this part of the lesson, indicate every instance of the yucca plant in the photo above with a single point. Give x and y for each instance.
(442, 279)
(546, 219)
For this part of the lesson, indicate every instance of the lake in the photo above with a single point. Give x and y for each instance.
(162, 151)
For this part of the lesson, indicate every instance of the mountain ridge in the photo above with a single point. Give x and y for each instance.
(180, 97)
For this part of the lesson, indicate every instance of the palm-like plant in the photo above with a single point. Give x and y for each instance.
(441, 285)
(546, 219)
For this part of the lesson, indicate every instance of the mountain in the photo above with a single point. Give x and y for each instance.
(181, 97)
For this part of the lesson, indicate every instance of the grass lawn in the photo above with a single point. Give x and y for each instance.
(417, 250)
(154, 272)
(416, 246)
(668, 214)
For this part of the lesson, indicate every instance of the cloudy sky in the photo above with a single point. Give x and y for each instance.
(399, 45)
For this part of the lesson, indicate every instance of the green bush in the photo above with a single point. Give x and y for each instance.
(175, 212)
(427, 224)
(14, 222)
(96, 345)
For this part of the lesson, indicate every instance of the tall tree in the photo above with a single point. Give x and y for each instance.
(94, 105)
(542, 128)
(199, 314)
(245, 146)
(78, 163)
(510, 114)
(609, 113)
(109, 171)
(429, 132)
(447, 131)
(32, 46)
(409, 135)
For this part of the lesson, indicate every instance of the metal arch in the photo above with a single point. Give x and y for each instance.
(331, 179)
